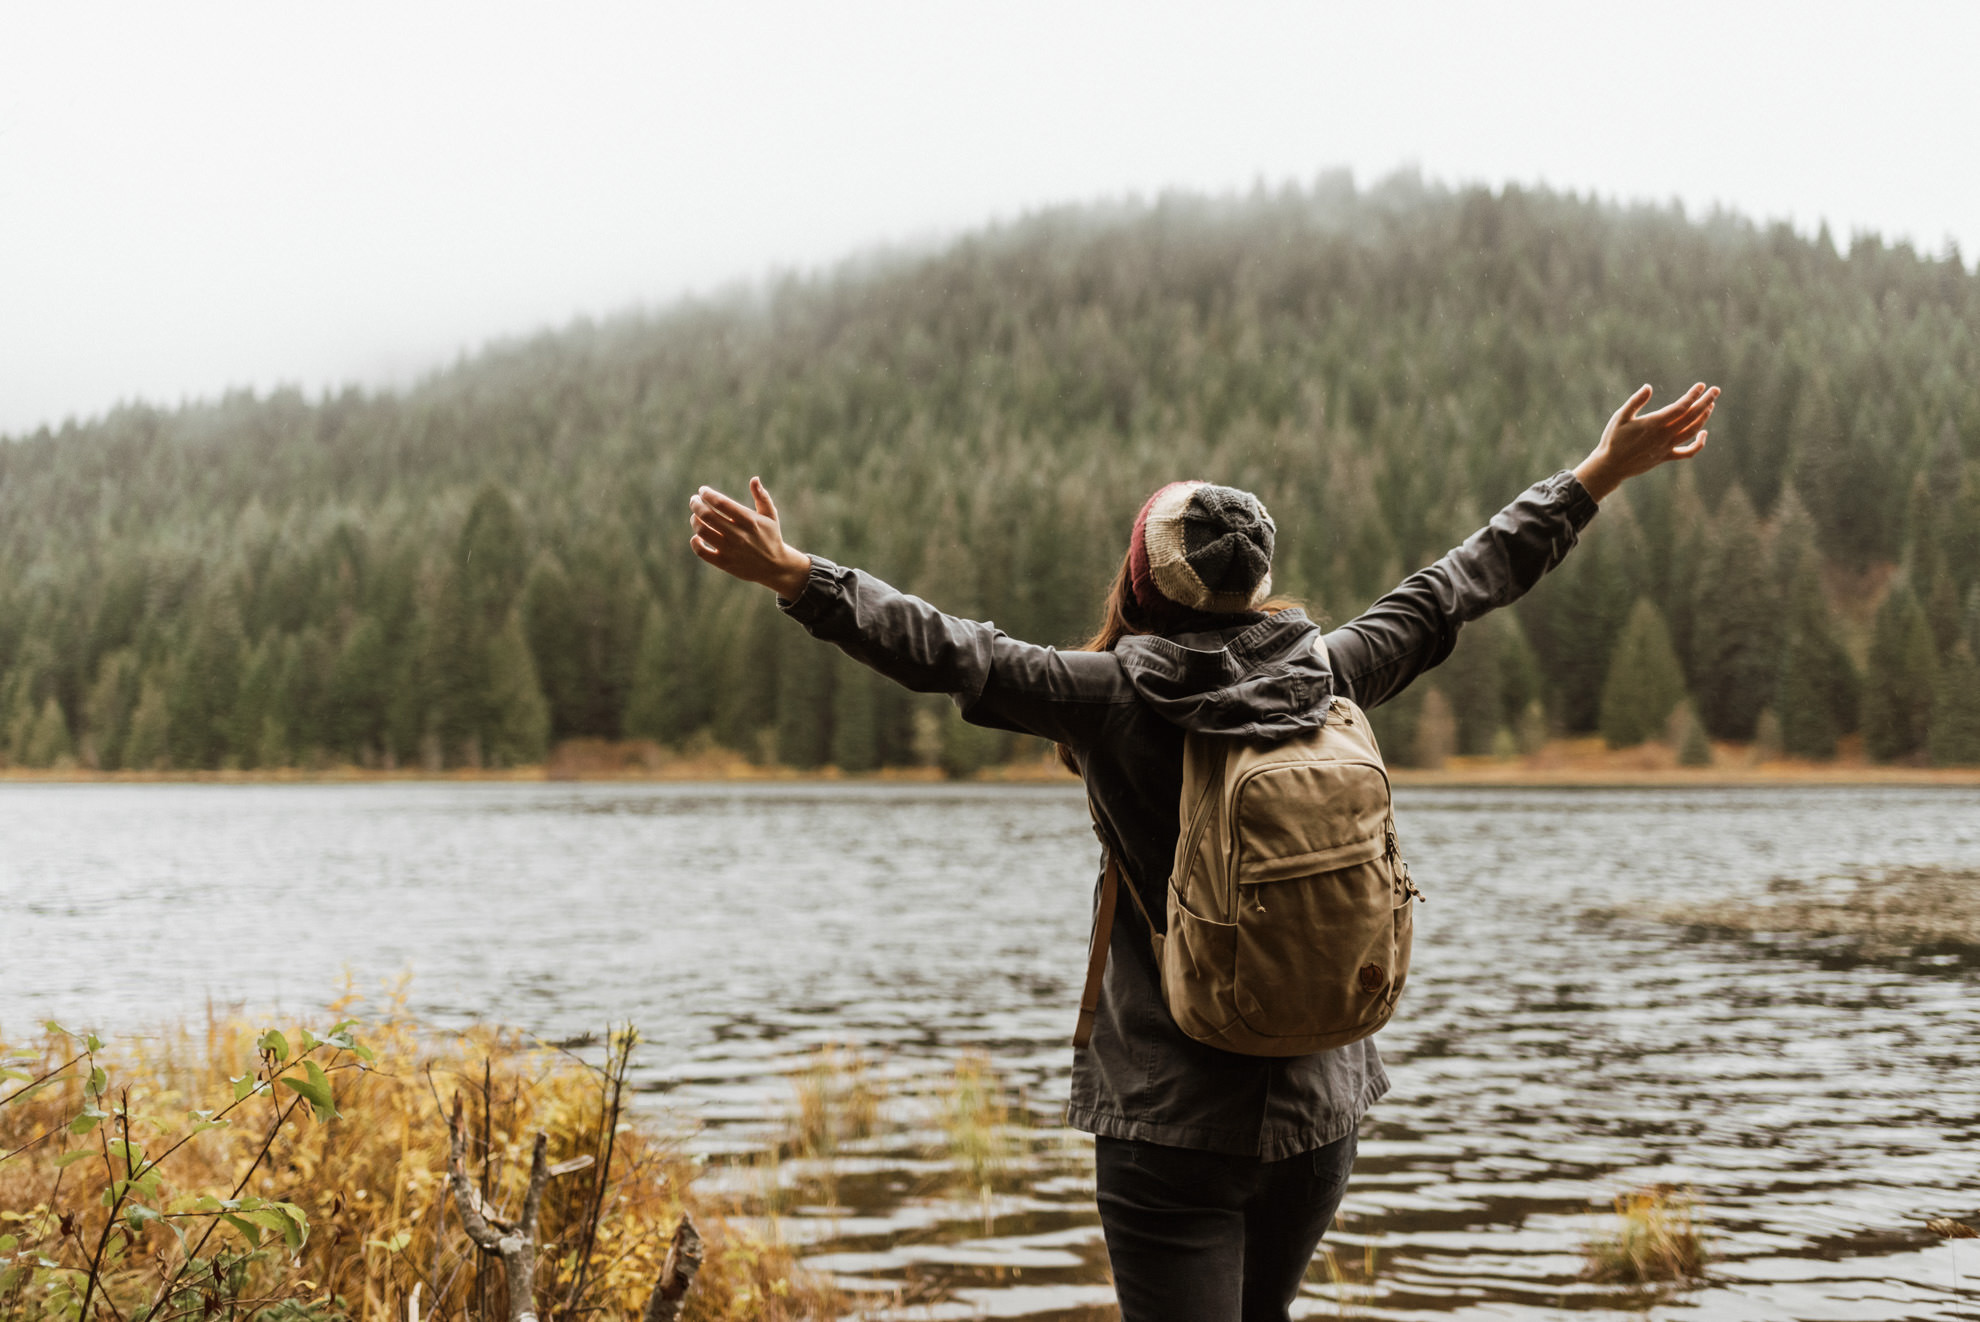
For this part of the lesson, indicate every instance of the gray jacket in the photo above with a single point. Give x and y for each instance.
(1123, 713)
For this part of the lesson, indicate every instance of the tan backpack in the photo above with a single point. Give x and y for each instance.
(1289, 914)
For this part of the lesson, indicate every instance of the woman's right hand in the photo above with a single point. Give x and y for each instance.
(1633, 444)
(748, 543)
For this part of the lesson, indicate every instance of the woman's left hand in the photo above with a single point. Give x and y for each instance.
(748, 543)
(1635, 442)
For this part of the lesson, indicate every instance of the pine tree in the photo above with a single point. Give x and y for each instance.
(1902, 679)
(1645, 681)
(804, 707)
(1736, 631)
(48, 742)
(1955, 737)
(1436, 731)
(359, 698)
(855, 718)
(207, 684)
(107, 711)
(149, 743)
(1816, 694)
(516, 720)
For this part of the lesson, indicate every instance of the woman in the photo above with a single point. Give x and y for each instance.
(1216, 1173)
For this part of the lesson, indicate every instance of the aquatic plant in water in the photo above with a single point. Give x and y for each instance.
(976, 1120)
(838, 1101)
(1655, 1238)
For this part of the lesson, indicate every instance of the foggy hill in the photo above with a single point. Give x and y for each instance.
(495, 559)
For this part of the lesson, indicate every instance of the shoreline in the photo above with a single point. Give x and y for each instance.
(1562, 764)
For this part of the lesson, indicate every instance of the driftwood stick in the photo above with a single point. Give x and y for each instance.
(677, 1275)
(514, 1244)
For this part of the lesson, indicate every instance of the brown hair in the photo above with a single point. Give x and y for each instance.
(1117, 621)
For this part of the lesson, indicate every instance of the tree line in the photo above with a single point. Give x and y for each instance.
(470, 570)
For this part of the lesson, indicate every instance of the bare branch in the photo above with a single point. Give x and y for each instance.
(539, 1175)
(677, 1275)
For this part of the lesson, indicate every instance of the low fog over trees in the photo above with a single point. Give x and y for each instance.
(471, 570)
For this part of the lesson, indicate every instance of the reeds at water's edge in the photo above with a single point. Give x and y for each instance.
(234, 1171)
(1656, 1237)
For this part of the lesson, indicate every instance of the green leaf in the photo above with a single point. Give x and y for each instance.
(308, 1041)
(68, 1159)
(316, 1088)
(8, 1076)
(249, 1231)
(98, 1080)
(131, 1154)
(273, 1041)
(87, 1121)
(91, 1042)
(243, 1086)
(8, 1243)
(10, 1277)
(392, 1245)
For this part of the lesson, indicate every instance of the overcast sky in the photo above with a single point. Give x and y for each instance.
(196, 197)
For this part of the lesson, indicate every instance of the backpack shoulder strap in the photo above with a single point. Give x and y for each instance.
(1112, 883)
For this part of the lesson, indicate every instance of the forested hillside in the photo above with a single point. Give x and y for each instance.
(470, 570)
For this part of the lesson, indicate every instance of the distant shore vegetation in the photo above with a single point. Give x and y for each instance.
(479, 569)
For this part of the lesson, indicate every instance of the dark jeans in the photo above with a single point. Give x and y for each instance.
(1202, 1237)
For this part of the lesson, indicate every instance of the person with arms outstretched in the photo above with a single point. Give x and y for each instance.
(1216, 1173)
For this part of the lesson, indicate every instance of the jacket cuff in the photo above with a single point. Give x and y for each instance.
(821, 589)
(1576, 503)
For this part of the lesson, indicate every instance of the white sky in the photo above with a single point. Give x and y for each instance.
(194, 197)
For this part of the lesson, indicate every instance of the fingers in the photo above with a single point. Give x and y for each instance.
(710, 502)
(1633, 403)
(1696, 444)
(1681, 405)
(764, 505)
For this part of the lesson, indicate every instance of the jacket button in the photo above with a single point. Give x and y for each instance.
(1372, 978)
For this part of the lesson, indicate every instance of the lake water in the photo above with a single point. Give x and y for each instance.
(1558, 1044)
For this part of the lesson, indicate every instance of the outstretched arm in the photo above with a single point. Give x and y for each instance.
(996, 680)
(1376, 655)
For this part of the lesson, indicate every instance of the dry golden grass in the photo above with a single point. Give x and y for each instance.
(977, 1121)
(837, 1102)
(1893, 912)
(370, 1182)
(1655, 1238)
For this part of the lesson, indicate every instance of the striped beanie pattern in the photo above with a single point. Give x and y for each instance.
(1205, 547)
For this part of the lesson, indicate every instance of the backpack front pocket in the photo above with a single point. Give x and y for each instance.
(1321, 955)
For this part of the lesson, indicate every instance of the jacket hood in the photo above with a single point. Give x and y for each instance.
(1266, 680)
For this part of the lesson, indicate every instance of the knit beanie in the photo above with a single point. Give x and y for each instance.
(1202, 547)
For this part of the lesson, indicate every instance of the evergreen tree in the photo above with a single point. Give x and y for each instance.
(1645, 681)
(1736, 633)
(856, 719)
(804, 708)
(1955, 737)
(149, 744)
(359, 697)
(516, 728)
(556, 632)
(1902, 679)
(1816, 694)
(207, 684)
(107, 711)
(48, 742)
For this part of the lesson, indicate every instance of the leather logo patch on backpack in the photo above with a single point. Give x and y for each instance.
(1373, 979)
